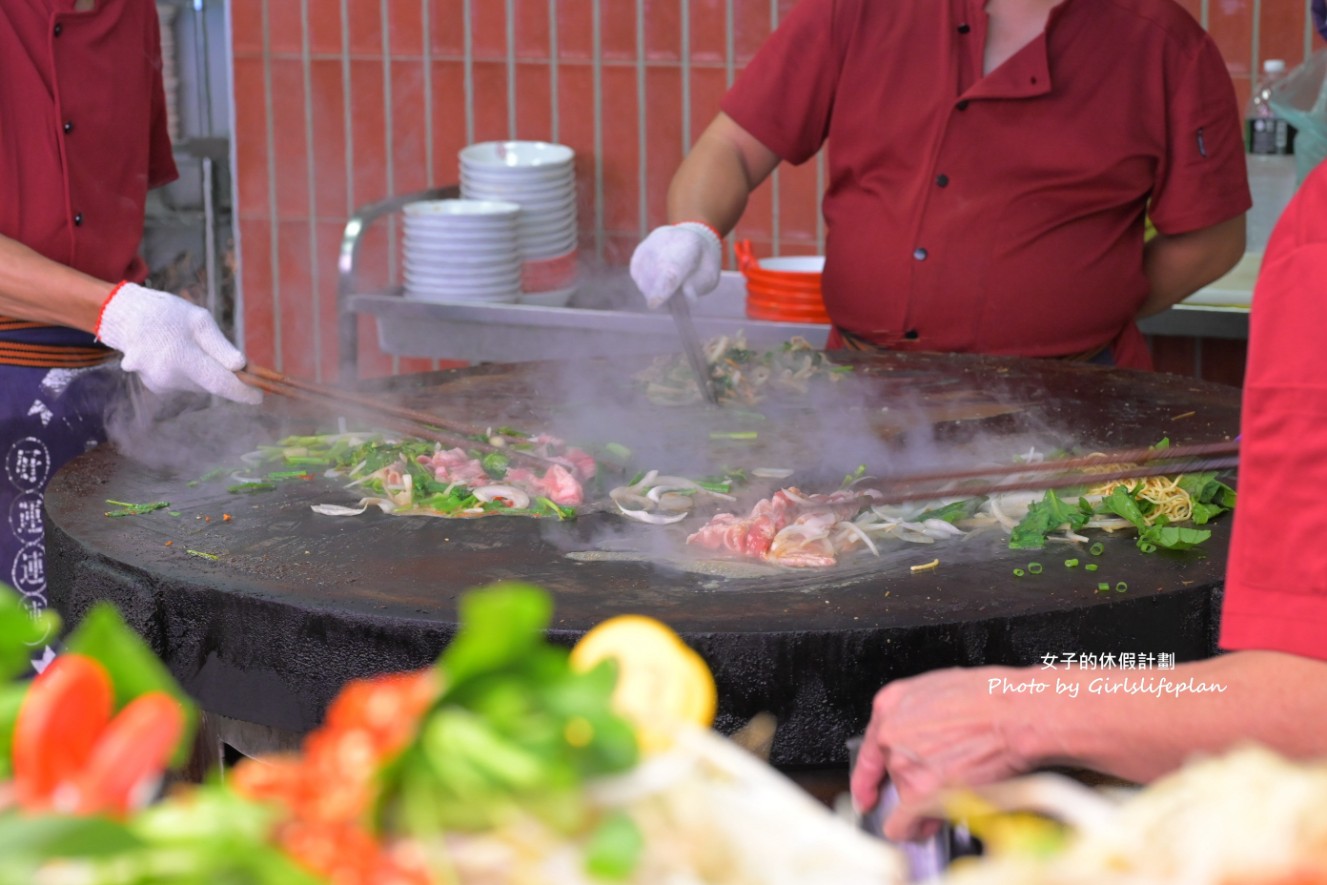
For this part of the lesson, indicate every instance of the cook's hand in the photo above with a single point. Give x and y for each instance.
(938, 730)
(683, 257)
(172, 344)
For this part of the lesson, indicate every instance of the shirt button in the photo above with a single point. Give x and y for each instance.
(942, 181)
(964, 28)
(58, 28)
(919, 253)
(962, 105)
(912, 334)
(78, 219)
(69, 126)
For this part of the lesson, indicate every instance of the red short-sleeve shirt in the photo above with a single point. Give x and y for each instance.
(1276, 582)
(1002, 213)
(83, 132)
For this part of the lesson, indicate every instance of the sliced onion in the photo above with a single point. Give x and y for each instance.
(644, 482)
(516, 498)
(672, 502)
(797, 497)
(662, 489)
(627, 498)
(652, 518)
(338, 509)
(943, 528)
(912, 536)
(383, 504)
(854, 529)
(772, 472)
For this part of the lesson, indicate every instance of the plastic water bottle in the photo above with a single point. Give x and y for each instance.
(1265, 132)
(1272, 174)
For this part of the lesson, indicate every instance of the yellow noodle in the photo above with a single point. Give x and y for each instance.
(1171, 501)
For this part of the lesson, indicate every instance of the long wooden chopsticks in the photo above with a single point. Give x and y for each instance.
(1066, 473)
(388, 416)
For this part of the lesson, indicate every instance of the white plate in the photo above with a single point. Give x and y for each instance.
(435, 262)
(546, 228)
(545, 209)
(461, 234)
(534, 176)
(460, 277)
(458, 208)
(459, 242)
(516, 154)
(517, 192)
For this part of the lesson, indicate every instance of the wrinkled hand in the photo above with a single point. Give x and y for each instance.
(172, 344)
(676, 258)
(938, 730)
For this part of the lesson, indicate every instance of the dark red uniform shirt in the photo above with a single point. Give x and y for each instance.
(82, 138)
(1002, 213)
(1276, 583)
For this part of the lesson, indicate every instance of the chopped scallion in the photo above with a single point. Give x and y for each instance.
(1034, 568)
(1097, 549)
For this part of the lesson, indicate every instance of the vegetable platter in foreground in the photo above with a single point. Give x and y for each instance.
(512, 760)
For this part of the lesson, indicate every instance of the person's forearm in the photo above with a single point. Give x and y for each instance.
(1267, 697)
(35, 288)
(715, 179)
(1179, 265)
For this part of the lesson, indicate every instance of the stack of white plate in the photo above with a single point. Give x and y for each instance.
(541, 178)
(462, 250)
(170, 76)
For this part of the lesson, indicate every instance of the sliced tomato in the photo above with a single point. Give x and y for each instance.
(278, 779)
(388, 707)
(66, 709)
(132, 752)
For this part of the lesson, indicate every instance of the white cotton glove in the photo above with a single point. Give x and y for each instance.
(172, 344)
(677, 258)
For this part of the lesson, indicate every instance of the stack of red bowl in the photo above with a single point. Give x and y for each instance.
(784, 289)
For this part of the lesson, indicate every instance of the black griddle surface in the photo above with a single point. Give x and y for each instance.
(296, 603)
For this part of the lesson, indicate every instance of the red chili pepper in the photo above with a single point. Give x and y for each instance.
(131, 753)
(65, 710)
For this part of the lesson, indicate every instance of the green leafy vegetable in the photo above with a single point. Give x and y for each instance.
(128, 509)
(1048, 515)
(247, 488)
(495, 464)
(516, 731)
(615, 847)
(954, 511)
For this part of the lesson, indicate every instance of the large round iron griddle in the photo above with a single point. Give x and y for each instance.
(296, 603)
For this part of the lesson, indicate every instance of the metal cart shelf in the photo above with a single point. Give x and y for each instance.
(520, 332)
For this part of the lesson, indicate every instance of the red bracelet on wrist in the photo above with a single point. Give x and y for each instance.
(705, 224)
(101, 315)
